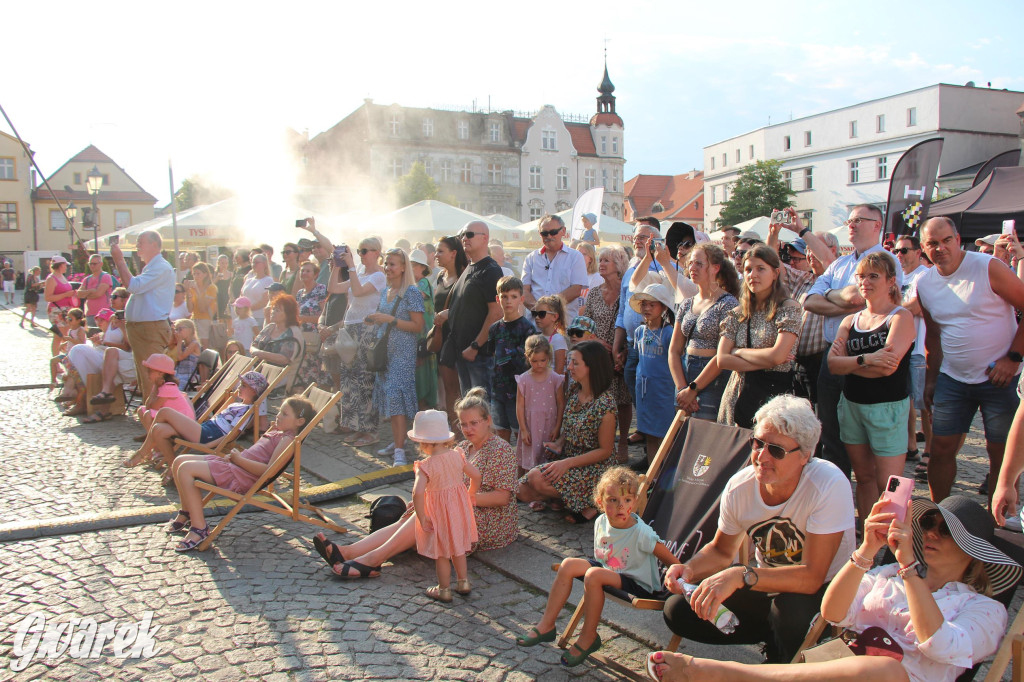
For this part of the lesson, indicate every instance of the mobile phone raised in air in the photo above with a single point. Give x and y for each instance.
(302, 222)
(339, 252)
(896, 495)
(113, 240)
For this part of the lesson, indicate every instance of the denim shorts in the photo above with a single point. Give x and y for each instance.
(880, 426)
(956, 403)
(503, 412)
(210, 432)
(916, 387)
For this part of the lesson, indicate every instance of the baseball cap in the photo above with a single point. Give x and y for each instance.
(242, 302)
(701, 237)
(276, 286)
(307, 244)
(584, 324)
(798, 245)
(989, 239)
(105, 314)
(57, 260)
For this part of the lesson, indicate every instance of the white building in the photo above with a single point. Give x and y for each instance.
(844, 157)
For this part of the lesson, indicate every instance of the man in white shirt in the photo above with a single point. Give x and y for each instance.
(908, 250)
(554, 269)
(835, 296)
(973, 349)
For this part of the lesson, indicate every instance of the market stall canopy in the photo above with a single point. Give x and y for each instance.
(428, 221)
(612, 230)
(982, 209)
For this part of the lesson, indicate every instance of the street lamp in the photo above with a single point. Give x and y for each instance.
(71, 212)
(93, 181)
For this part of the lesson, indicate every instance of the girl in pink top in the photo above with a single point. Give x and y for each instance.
(237, 470)
(165, 391)
(540, 403)
(445, 525)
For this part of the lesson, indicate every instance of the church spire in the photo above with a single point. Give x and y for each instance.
(606, 102)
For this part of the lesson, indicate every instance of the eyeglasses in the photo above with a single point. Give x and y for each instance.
(870, 276)
(287, 251)
(470, 234)
(177, 291)
(550, 233)
(933, 521)
(903, 251)
(474, 423)
(123, 296)
(576, 333)
(775, 450)
(539, 314)
(858, 221)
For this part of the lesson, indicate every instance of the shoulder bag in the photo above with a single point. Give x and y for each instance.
(435, 337)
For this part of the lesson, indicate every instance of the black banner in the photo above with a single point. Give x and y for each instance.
(683, 504)
(911, 186)
(1006, 159)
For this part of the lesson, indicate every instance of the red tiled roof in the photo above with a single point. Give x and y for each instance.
(607, 119)
(581, 138)
(84, 198)
(677, 195)
(519, 128)
(91, 155)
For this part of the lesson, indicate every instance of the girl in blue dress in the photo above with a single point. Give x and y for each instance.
(655, 390)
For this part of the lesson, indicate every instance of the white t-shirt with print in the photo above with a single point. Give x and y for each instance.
(821, 504)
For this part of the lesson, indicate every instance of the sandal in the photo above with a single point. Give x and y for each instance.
(65, 399)
(132, 462)
(364, 441)
(174, 525)
(441, 594)
(921, 470)
(188, 545)
(538, 506)
(463, 587)
(102, 398)
(353, 570)
(576, 518)
(327, 549)
(536, 638)
(570, 661)
(96, 418)
(74, 411)
(636, 438)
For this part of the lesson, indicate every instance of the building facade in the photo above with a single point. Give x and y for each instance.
(844, 157)
(16, 233)
(668, 198)
(522, 166)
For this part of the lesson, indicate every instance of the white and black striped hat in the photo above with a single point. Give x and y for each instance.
(973, 530)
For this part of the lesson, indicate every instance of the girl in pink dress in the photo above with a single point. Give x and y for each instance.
(445, 525)
(540, 403)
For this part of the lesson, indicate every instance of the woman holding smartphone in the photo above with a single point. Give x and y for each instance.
(872, 348)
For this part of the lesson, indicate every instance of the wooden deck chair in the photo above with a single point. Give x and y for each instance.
(262, 495)
(678, 498)
(211, 395)
(274, 375)
(209, 359)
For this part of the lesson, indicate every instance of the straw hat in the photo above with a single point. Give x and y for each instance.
(652, 292)
(430, 426)
(973, 530)
(160, 362)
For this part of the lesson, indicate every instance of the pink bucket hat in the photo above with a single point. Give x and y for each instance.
(160, 362)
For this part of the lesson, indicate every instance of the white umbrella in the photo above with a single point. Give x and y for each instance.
(430, 220)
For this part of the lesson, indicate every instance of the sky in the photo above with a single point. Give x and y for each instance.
(213, 85)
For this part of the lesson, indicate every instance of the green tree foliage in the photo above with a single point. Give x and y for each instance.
(416, 185)
(198, 191)
(759, 189)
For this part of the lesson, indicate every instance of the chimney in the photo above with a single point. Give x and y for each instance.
(693, 174)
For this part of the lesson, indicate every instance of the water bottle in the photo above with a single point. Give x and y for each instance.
(725, 620)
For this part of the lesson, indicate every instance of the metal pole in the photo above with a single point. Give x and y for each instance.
(95, 226)
(174, 215)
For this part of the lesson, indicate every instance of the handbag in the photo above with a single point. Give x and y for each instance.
(218, 336)
(435, 337)
(873, 641)
(345, 346)
(378, 357)
(759, 386)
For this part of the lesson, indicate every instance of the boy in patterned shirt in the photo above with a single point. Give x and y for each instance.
(506, 340)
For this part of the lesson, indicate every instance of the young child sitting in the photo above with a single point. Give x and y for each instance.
(165, 392)
(505, 341)
(445, 524)
(188, 350)
(73, 330)
(626, 551)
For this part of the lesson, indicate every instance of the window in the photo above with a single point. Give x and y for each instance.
(604, 178)
(428, 166)
(853, 129)
(880, 123)
(77, 179)
(466, 174)
(122, 219)
(9, 216)
(854, 171)
(808, 218)
(106, 180)
(615, 145)
(536, 212)
(911, 116)
(808, 178)
(428, 127)
(57, 220)
(446, 171)
(712, 162)
(725, 159)
(714, 196)
(604, 144)
(725, 193)
(615, 181)
(549, 140)
(589, 178)
(535, 178)
(396, 168)
(495, 131)
(393, 125)
(562, 178)
(787, 143)
(751, 154)
(807, 138)
(883, 167)
(494, 173)
(463, 130)
(787, 177)
(6, 168)
(737, 156)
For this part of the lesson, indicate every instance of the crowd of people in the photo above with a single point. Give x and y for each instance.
(538, 376)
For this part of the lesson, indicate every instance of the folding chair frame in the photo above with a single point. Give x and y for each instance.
(262, 495)
(219, 384)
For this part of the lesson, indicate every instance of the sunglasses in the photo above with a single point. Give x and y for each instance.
(177, 291)
(903, 251)
(539, 314)
(933, 521)
(550, 233)
(122, 296)
(576, 333)
(469, 235)
(685, 245)
(363, 252)
(776, 451)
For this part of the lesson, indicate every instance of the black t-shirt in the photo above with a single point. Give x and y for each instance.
(476, 288)
(337, 304)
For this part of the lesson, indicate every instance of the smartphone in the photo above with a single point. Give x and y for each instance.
(896, 495)
(301, 222)
(75, 285)
(113, 240)
(339, 252)
(1009, 226)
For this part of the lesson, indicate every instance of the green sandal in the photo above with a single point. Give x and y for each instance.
(570, 661)
(537, 638)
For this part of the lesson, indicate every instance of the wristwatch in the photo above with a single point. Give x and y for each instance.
(749, 576)
(860, 360)
(692, 386)
(475, 345)
(1014, 356)
(804, 231)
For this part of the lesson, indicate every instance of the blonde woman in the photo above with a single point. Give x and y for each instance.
(201, 298)
(255, 286)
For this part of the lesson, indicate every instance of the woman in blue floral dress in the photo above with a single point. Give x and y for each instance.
(311, 298)
(400, 308)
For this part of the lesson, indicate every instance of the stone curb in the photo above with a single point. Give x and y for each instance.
(136, 516)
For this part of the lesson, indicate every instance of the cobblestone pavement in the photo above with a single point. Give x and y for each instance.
(261, 604)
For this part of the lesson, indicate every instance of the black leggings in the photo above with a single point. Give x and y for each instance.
(780, 621)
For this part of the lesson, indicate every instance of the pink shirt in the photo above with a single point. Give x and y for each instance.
(94, 305)
(175, 399)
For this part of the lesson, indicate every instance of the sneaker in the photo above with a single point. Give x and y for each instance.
(399, 457)
(1014, 522)
(387, 449)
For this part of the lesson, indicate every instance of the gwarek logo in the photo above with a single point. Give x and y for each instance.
(80, 638)
(701, 465)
